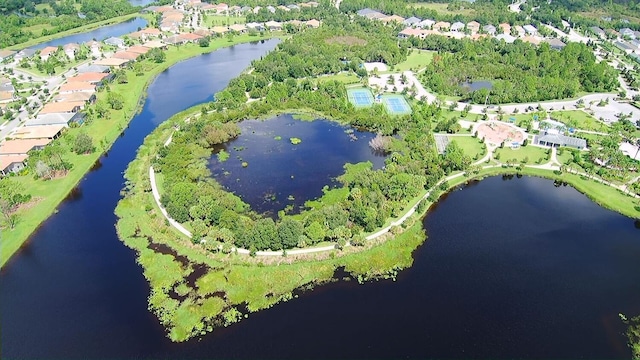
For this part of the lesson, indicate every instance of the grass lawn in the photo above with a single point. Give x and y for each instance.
(417, 59)
(532, 154)
(579, 120)
(104, 132)
(221, 20)
(345, 78)
(470, 145)
(36, 30)
(442, 8)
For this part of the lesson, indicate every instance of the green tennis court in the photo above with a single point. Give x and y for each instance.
(396, 104)
(360, 97)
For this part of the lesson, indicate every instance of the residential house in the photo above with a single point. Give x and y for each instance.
(174, 40)
(7, 96)
(156, 44)
(506, 38)
(627, 33)
(115, 41)
(313, 23)
(520, 31)
(552, 138)
(234, 10)
(71, 87)
(530, 30)
(412, 21)
(293, 7)
(426, 23)
(220, 30)
(56, 119)
(91, 77)
(555, 43)
(25, 54)
(46, 52)
(12, 164)
(139, 49)
(86, 96)
(50, 132)
(6, 54)
(505, 28)
(624, 46)
(238, 28)
(255, 26)
(150, 32)
(531, 40)
(283, 8)
(203, 32)
(112, 61)
(473, 27)
(257, 9)
(598, 32)
(126, 55)
(457, 26)
(371, 14)
(441, 26)
(246, 9)
(412, 32)
(62, 107)
(70, 50)
(190, 37)
(392, 19)
(489, 29)
(22, 147)
(273, 25)
(271, 9)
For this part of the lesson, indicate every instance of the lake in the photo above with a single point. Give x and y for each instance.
(99, 34)
(512, 268)
(281, 174)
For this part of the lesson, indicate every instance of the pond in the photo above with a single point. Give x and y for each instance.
(99, 34)
(476, 85)
(279, 173)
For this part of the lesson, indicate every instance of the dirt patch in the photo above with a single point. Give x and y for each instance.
(28, 205)
(346, 40)
(496, 132)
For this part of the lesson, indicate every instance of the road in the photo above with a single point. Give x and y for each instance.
(515, 7)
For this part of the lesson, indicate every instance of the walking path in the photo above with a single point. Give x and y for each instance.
(553, 164)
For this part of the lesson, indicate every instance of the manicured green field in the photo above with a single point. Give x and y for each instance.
(345, 78)
(578, 119)
(470, 145)
(530, 154)
(221, 20)
(416, 60)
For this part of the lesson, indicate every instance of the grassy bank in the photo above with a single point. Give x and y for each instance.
(81, 29)
(104, 133)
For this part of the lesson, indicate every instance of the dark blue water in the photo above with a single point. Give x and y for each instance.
(98, 34)
(281, 174)
(512, 269)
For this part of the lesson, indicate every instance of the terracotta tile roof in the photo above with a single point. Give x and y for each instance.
(16, 147)
(139, 49)
(62, 107)
(78, 86)
(126, 55)
(90, 77)
(38, 132)
(5, 161)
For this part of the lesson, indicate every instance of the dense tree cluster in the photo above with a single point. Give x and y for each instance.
(519, 72)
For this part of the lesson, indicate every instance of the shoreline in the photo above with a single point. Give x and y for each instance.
(27, 226)
(80, 29)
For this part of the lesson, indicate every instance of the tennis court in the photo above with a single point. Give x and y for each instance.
(396, 104)
(360, 97)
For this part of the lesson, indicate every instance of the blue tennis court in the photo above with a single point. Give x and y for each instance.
(396, 104)
(360, 97)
